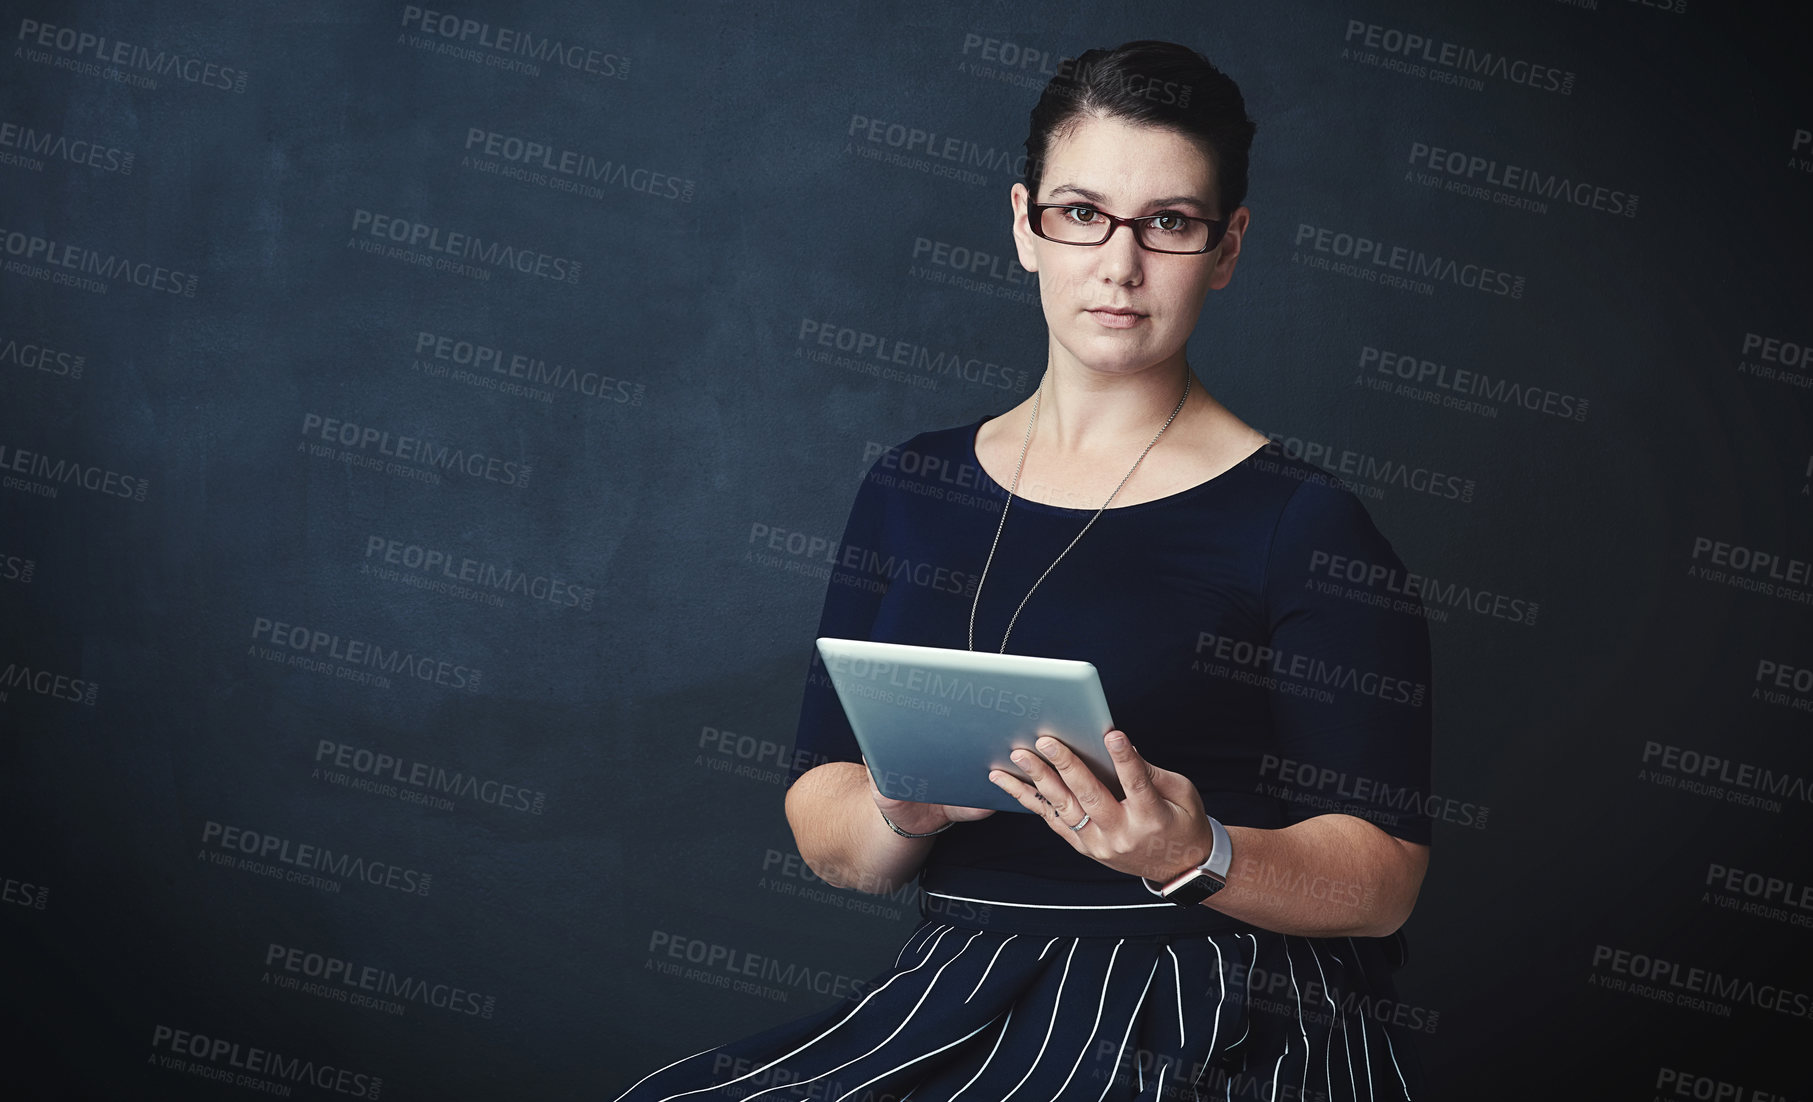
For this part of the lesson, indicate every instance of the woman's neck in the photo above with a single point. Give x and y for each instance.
(1083, 411)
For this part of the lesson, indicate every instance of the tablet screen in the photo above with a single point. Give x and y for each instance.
(933, 721)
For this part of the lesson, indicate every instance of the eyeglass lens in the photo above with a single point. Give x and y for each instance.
(1086, 226)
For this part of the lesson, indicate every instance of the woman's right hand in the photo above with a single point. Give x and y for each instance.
(919, 818)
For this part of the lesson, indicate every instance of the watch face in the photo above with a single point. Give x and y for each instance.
(1194, 890)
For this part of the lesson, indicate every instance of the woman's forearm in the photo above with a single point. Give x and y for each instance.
(1330, 876)
(841, 835)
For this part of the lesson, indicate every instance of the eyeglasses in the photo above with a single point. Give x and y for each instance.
(1166, 232)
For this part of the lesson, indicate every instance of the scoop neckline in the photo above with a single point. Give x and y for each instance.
(1026, 502)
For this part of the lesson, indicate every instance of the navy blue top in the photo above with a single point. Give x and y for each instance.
(1231, 644)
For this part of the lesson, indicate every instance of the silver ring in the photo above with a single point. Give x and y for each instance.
(1081, 823)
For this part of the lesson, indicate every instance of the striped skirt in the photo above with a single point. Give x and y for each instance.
(1009, 1008)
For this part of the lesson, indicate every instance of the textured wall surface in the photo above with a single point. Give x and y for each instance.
(423, 433)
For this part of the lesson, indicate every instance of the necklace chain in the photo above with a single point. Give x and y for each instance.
(1024, 445)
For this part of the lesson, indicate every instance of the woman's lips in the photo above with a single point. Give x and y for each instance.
(1117, 319)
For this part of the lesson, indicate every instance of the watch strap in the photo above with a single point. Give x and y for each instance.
(1195, 885)
(1221, 858)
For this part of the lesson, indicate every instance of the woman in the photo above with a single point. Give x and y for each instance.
(1226, 930)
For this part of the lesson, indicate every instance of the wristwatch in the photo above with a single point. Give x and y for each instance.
(1195, 885)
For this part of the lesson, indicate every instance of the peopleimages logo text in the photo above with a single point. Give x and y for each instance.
(227, 1061)
(1474, 168)
(1410, 261)
(415, 449)
(32, 248)
(513, 42)
(325, 645)
(381, 981)
(930, 143)
(410, 234)
(1411, 46)
(68, 472)
(139, 60)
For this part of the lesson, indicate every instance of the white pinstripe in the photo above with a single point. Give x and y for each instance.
(659, 1070)
(1107, 978)
(879, 1045)
(1131, 1018)
(1005, 1022)
(1353, 1086)
(1057, 906)
(914, 1060)
(1279, 1064)
(1177, 982)
(1047, 948)
(1251, 961)
(1365, 1048)
(853, 1012)
(925, 933)
(1390, 1050)
(1057, 1004)
(1221, 981)
(1328, 1047)
(985, 972)
(1297, 994)
(704, 1052)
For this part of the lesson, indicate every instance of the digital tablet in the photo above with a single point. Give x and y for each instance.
(933, 721)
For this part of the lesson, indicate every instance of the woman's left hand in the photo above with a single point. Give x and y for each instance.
(1158, 831)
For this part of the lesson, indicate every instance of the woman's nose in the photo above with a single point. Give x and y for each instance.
(1119, 258)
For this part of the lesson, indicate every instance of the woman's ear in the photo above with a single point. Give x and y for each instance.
(1227, 252)
(1021, 199)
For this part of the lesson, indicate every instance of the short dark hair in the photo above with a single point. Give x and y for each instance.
(1156, 84)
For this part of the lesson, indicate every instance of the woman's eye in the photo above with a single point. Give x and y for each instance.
(1168, 223)
(1084, 215)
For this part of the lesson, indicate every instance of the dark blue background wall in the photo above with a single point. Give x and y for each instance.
(420, 450)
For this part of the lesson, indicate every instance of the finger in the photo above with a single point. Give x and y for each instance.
(1025, 794)
(1135, 772)
(1035, 767)
(1050, 785)
(1091, 794)
(1029, 798)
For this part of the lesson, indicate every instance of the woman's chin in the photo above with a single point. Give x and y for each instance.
(1116, 354)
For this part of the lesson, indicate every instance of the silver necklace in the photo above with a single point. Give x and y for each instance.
(1030, 422)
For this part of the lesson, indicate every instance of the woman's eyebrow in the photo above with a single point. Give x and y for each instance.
(1093, 197)
(1180, 200)
(1080, 192)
